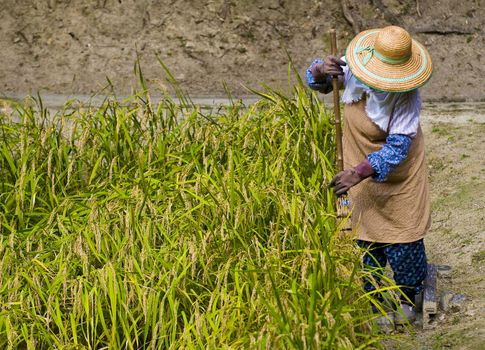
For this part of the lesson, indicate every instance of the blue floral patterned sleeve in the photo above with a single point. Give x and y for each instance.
(321, 86)
(392, 153)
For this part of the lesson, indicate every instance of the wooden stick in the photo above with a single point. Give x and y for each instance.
(336, 106)
(343, 203)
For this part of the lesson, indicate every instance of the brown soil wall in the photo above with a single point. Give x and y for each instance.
(73, 46)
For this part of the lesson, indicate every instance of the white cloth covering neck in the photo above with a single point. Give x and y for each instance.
(404, 106)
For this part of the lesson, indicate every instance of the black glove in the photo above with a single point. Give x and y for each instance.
(344, 180)
(331, 66)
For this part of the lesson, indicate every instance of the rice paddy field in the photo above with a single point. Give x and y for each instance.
(143, 225)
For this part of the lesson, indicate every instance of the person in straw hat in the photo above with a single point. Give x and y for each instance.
(383, 146)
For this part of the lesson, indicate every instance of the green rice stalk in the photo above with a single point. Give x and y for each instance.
(144, 225)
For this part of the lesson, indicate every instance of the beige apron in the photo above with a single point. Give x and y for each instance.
(397, 210)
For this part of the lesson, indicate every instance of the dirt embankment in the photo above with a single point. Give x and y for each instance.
(72, 46)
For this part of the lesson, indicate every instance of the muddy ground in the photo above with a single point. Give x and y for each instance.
(454, 142)
(74, 47)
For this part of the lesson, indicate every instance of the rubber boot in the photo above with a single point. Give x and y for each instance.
(405, 314)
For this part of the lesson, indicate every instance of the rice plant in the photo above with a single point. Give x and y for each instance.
(143, 225)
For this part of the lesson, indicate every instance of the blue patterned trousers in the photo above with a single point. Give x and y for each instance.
(407, 260)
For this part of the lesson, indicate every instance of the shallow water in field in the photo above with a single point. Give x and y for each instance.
(447, 112)
(454, 112)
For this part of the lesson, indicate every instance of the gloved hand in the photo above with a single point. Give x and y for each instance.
(344, 180)
(330, 66)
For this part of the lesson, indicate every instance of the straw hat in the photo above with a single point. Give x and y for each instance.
(388, 59)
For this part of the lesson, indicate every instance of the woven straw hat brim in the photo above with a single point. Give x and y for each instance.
(406, 76)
